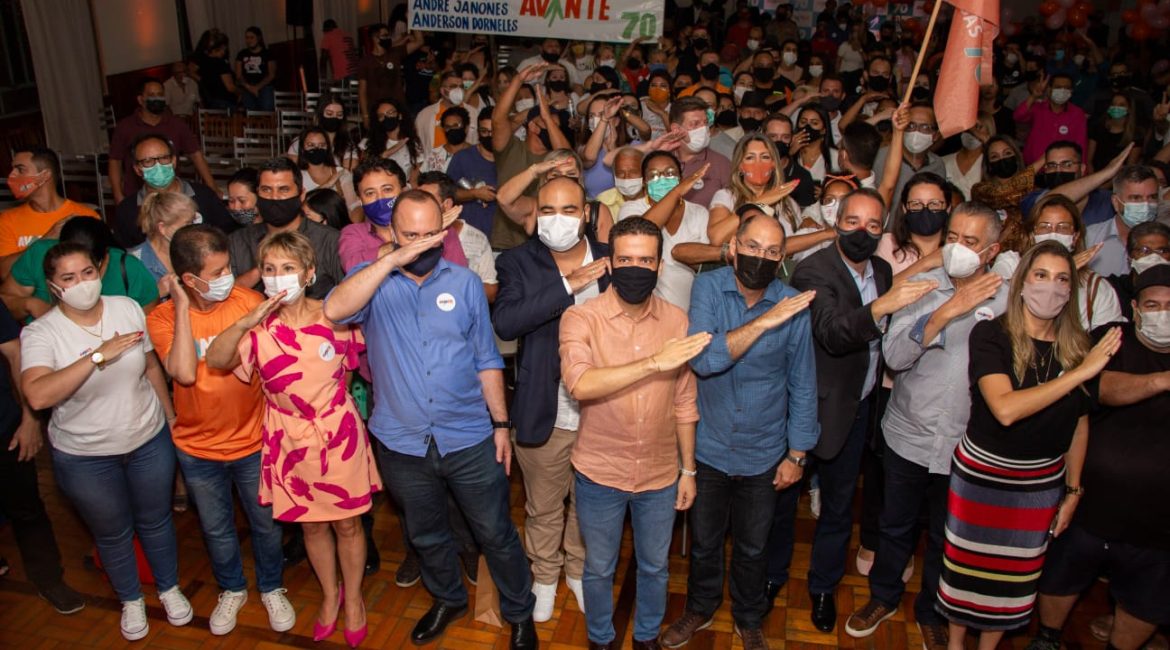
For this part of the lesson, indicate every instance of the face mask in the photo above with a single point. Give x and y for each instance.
(829, 214)
(726, 119)
(597, 87)
(389, 123)
(657, 67)
(634, 64)
(81, 296)
(558, 86)
(970, 142)
(659, 95)
(710, 72)
(1155, 326)
(245, 216)
(1045, 299)
(1050, 180)
(960, 261)
(545, 139)
(1134, 213)
(1119, 80)
(1031, 75)
(763, 74)
(789, 58)
(755, 272)
(1011, 59)
(781, 148)
(1058, 55)
(659, 187)
(278, 213)
(629, 187)
(456, 136)
(156, 105)
(1060, 95)
(594, 122)
(455, 96)
(277, 283)
(926, 222)
(710, 116)
(1058, 237)
(879, 84)
(816, 70)
(559, 232)
(467, 84)
(753, 44)
(550, 57)
(426, 261)
(159, 176)
(1117, 112)
(634, 284)
(857, 245)
(757, 173)
(814, 134)
(218, 289)
(524, 105)
(698, 139)
(610, 63)
(916, 142)
(1078, 60)
(317, 156)
(379, 211)
(701, 43)
(385, 43)
(750, 124)
(1140, 265)
(739, 92)
(831, 104)
(331, 124)
(23, 186)
(1004, 167)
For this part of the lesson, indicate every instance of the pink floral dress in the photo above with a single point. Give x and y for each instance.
(316, 463)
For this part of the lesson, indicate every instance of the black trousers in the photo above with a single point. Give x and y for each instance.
(20, 502)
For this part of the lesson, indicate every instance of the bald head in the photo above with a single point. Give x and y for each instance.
(561, 195)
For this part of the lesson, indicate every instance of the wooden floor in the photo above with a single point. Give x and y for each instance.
(28, 622)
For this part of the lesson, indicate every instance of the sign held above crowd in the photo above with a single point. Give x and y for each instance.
(588, 20)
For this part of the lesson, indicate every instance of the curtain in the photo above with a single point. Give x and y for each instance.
(65, 61)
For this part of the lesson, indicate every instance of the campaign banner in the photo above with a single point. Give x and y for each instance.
(579, 20)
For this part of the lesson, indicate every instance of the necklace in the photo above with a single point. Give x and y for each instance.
(101, 321)
(1047, 365)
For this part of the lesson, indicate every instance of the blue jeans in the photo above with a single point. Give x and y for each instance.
(265, 101)
(481, 489)
(209, 482)
(601, 515)
(119, 496)
(838, 476)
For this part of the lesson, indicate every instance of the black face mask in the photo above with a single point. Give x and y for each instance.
(920, 94)
(634, 284)
(278, 213)
(1004, 167)
(1031, 75)
(550, 57)
(389, 123)
(701, 44)
(634, 64)
(782, 148)
(755, 272)
(813, 134)
(857, 245)
(385, 43)
(830, 103)
(1119, 80)
(545, 139)
(558, 86)
(1050, 180)
(597, 87)
(425, 262)
(710, 72)
(726, 118)
(763, 74)
(925, 222)
(456, 136)
(331, 124)
(156, 105)
(317, 156)
(750, 124)
(878, 84)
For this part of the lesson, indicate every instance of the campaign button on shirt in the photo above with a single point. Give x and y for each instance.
(445, 301)
(1063, 129)
(984, 313)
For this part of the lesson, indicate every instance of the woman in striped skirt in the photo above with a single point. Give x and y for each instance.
(1016, 474)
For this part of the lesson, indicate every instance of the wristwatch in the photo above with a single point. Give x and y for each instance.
(501, 424)
(1078, 490)
(98, 359)
(799, 461)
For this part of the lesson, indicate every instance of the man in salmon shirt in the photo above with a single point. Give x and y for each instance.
(217, 425)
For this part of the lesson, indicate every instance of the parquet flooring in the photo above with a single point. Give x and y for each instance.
(27, 622)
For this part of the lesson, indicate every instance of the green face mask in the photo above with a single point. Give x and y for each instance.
(659, 187)
(1117, 112)
(710, 117)
(159, 176)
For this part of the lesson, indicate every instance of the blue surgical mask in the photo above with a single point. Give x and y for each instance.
(1135, 213)
(379, 211)
(659, 187)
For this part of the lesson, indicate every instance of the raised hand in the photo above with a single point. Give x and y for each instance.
(689, 182)
(973, 294)
(675, 352)
(261, 311)
(1098, 357)
(900, 295)
(112, 348)
(1083, 258)
(786, 309)
(901, 118)
(582, 277)
(779, 193)
(403, 255)
(451, 215)
(546, 166)
(174, 287)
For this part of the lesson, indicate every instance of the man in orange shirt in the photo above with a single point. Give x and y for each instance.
(623, 358)
(217, 423)
(35, 175)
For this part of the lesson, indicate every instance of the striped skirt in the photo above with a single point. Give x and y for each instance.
(998, 515)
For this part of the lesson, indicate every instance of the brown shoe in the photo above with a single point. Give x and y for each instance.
(651, 644)
(684, 628)
(752, 638)
(934, 637)
(864, 621)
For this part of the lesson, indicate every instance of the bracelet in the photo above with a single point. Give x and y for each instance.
(1077, 491)
(687, 472)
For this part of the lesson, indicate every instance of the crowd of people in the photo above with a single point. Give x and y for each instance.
(738, 265)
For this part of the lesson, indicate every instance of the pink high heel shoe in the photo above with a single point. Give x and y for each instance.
(322, 632)
(354, 638)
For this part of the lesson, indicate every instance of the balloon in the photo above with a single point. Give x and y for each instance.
(1129, 16)
(1078, 19)
(1140, 31)
(1048, 8)
(1056, 20)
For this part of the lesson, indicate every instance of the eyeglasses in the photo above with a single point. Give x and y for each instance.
(920, 127)
(915, 205)
(1142, 251)
(666, 173)
(1044, 228)
(755, 250)
(147, 163)
(1065, 165)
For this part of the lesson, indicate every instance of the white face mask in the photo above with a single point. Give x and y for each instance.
(608, 62)
(788, 58)
(1140, 265)
(816, 70)
(753, 44)
(629, 187)
(1060, 95)
(594, 122)
(916, 142)
(739, 92)
(1155, 326)
(960, 261)
(970, 142)
(522, 133)
(455, 96)
(559, 232)
(1079, 59)
(1058, 237)
(829, 214)
(697, 139)
(524, 105)
(218, 289)
(291, 283)
(81, 296)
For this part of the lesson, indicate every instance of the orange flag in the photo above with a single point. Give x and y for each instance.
(966, 64)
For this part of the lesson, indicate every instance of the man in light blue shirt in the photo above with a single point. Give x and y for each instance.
(1135, 200)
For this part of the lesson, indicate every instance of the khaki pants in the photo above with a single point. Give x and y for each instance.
(550, 539)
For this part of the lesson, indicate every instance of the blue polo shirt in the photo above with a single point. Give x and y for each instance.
(427, 344)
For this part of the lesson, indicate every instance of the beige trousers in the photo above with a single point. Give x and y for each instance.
(551, 539)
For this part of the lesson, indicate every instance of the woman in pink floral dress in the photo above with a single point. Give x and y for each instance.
(317, 468)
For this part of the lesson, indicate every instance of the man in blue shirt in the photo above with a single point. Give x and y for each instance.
(474, 170)
(440, 414)
(758, 419)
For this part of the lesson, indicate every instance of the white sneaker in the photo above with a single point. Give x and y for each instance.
(134, 623)
(223, 617)
(546, 598)
(578, 591)
(814, 502)
(177, 606)
(281, 615)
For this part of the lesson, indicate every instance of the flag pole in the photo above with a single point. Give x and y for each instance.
(922, 50)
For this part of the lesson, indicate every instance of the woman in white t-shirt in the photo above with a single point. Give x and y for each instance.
(89, 360)
(392, 136)
(318, 168)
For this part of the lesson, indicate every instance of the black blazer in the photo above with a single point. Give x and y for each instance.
(842, 328)
(528, 307)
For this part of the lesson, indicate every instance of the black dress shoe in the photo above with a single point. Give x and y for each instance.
(824, 612)
(771, 590)
(373, 558)
(593, 645)
(435, 621)
(524, 635)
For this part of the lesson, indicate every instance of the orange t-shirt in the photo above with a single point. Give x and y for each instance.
(219, 417)
(21, 225)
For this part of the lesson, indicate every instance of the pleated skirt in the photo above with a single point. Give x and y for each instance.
(999, 512)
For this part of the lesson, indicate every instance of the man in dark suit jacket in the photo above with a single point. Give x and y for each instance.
(854, 298)
(538, 281)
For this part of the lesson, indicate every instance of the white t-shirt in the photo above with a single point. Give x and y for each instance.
(436, 160)
(579, 71)
(116, 410)
(478, 251)
(343, 186)
(674, 283)
(568, 412)
(402, 156)
(960, 180)
(658, 128)
(851, 59)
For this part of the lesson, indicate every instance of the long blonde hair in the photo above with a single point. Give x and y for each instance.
(1072, 344)
(742, 193)
(165, 208)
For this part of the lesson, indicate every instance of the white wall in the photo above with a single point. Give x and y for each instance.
(136, 34)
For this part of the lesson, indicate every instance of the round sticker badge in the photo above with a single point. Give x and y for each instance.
(1063, 129)
(984, 313)
(326, 351)
(445, 302)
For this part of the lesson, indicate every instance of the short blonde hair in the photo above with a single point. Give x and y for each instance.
(166, 208)
(293, 244)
